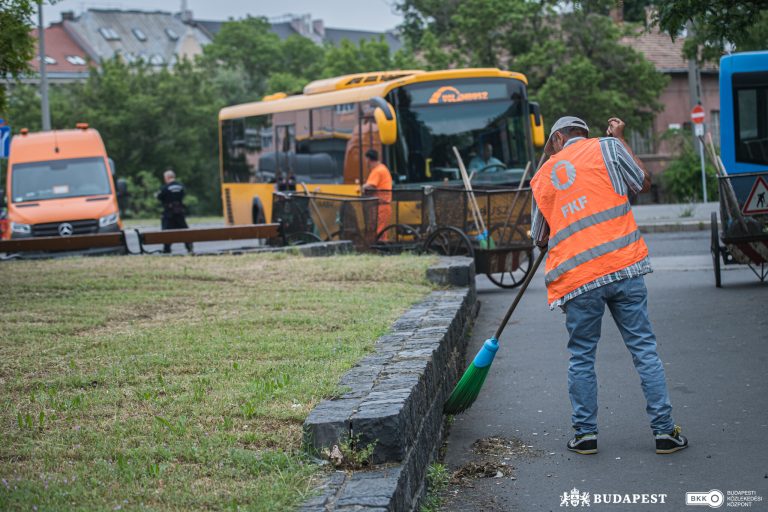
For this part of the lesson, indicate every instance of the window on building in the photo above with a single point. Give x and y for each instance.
(50, 60)
(140, 35)
(641, 141)
(172, 35)
(76, 60)
(714, 126)
(109, 34)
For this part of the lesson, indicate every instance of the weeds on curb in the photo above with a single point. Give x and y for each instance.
(437, 481)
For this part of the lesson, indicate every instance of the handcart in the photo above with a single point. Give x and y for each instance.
(504, 254)
(399, 220)
(743, 235)
(315, 217)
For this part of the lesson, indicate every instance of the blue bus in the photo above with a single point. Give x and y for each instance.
(744, 112)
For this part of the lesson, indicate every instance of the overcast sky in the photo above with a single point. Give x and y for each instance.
(375, 15)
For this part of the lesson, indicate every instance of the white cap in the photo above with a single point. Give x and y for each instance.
(568, 122)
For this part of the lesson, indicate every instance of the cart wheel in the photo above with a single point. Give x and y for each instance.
(335, 236)
(449, 241)
(715, 249)
(518, 262)
(397, 238)
(304, 237)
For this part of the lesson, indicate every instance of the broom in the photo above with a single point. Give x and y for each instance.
(485, 241)
(466, 391)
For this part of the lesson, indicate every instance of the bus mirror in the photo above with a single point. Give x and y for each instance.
(537, 124)
(111, 166)
(384, 115)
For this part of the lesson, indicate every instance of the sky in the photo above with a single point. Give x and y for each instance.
(373, 15)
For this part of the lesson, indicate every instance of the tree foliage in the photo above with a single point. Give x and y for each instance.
(716, 24)
(573, 59)
(17, 47)
(682, 178)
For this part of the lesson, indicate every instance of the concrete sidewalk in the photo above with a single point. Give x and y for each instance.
(661, 218)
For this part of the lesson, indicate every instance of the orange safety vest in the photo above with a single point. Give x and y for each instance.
(592, 231)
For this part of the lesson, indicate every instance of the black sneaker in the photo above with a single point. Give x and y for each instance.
(585, 444)
(671, 441)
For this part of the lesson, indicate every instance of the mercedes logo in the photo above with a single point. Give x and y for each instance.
(66, 229)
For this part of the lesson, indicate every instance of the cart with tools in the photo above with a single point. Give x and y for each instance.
(491, 225)
(399, 221)
(318, 217)
(743, 236)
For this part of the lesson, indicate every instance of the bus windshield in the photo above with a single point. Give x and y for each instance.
(484, 118)
(58, 179)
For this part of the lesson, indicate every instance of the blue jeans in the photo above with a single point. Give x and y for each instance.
(628, 302)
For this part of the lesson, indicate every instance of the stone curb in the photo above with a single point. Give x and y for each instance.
(316, 249)
(394, 400)
(674, 227)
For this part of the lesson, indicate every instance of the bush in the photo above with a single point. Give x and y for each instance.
(682, 177)
(142, 202)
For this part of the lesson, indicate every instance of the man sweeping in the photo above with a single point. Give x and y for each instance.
(598, 258)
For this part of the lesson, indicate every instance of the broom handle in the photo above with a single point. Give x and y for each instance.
(476, 213)
(520, 293)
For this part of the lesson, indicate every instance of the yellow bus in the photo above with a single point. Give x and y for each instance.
(413, 118)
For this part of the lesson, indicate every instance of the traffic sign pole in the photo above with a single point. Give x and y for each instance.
(697, 116)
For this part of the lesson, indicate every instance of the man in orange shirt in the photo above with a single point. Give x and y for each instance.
(379, 184)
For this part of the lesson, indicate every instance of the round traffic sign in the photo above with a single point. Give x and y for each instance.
(697, 114)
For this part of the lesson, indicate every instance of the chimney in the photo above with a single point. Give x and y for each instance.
(68, 16)
(319, 28)
(186, 14)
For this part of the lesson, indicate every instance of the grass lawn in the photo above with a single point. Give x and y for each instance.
(179, 383)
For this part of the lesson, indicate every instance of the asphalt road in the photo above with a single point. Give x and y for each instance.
(714, 344)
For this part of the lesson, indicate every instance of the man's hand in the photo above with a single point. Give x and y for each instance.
(615, 128)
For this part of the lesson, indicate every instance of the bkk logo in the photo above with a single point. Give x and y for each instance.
(576, 498)
(712, 499)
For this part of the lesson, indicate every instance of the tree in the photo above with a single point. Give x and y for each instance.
(368, 55)
(715, 24)
(249, 45)
(573, 59)
(17, 47)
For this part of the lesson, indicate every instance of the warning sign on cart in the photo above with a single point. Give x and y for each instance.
(758, 198)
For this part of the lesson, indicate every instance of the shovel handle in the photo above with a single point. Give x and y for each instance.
(519, 295)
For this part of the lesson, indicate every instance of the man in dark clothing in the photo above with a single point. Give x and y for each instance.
(172, 197)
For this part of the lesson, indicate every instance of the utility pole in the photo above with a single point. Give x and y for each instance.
(694, 88)
(46, 111)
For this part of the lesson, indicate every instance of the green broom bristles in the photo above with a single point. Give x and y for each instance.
(466, 391)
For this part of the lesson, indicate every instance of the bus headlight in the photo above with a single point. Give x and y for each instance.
(24, 229)
(108, 220)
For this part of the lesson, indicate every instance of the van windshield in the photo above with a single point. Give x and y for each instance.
(37, 181)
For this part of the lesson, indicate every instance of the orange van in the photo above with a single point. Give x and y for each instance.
(60, 183)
